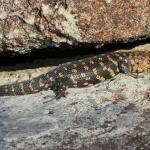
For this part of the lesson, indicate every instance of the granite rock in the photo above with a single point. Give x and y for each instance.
(26, 25)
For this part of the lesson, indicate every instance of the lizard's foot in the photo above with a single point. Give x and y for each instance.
(59, 87)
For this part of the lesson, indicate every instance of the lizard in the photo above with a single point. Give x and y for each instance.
(82, 73)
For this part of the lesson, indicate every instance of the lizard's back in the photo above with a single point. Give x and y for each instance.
(81, 73)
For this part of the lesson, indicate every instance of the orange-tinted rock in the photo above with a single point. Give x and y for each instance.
(36, 24)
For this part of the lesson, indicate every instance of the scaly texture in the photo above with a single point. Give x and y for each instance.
(81, 73)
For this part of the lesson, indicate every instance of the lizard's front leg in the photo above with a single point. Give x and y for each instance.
(59, 87)
(125, 66)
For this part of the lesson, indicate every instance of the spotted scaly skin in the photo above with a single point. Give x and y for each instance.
(82, 73)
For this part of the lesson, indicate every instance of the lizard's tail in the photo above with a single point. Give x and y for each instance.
(26, 87)
(7, 90)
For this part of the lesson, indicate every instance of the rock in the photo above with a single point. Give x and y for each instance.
(111, 115)
(27, 25)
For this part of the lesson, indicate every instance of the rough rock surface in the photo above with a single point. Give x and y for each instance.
(36, 24)
(109, 116)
